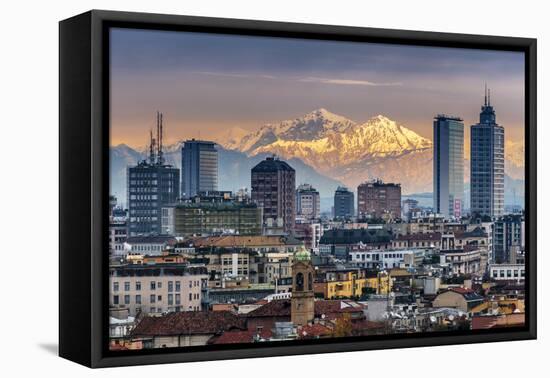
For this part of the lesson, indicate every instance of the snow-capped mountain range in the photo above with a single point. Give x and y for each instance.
(326, 150)
(345, 150)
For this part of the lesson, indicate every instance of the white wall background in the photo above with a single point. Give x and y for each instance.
(29, 185)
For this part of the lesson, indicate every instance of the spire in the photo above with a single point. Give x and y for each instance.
(489, 97)
(485, 94)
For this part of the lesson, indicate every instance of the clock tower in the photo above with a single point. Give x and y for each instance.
(302, 302)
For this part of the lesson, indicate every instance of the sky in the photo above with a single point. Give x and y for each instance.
(206, 84)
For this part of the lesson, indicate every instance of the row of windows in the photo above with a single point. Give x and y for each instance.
(153, 285)
(172, 298)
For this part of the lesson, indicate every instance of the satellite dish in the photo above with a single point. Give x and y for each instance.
(433, 319)
(451, 317)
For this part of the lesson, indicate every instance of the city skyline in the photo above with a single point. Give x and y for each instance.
(245, 82)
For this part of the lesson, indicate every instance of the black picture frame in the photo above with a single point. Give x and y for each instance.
(84, 168)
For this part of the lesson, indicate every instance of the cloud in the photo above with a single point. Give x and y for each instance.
(323, 80)
(235, 75)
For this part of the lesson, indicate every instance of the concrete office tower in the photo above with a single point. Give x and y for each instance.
(199, 164)
(448, 168)
(308, 202)
(377, 199)
(152, 184)
(487, 163)
(273, 184)
(343, 203)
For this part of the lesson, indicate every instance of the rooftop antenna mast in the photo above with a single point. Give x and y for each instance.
(485, 94)
(159, 136)
(151, 148)
(489, 97)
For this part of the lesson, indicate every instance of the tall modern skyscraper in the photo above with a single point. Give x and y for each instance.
(199, 165)
(152, 184)
(343, 203)
(273, 184)
(487, 163)
(448, 168)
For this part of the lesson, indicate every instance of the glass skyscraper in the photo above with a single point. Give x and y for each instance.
(199, 165)
(448, 166)
(487, 163)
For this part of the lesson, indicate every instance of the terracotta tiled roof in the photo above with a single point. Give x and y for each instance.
(281, 308)
(238, 336)
(314, 330)
(275, 308)
(188, 323)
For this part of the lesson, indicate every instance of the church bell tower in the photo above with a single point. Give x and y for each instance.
(302, 302)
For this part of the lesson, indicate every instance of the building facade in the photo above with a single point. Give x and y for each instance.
(487, 164)
(508, 232)
(308, 203)
(199, 165)
(211, 218)
(273, 184)
(157, 288)
(150, 187)
(344, 203)
(448, 166)
(378, 199)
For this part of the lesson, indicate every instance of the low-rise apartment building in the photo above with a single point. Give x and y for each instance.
(154, 289)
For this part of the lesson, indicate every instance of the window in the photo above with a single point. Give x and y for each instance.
(152, 298)
(300, 282)
(178, 299)
(159, 285)
(115, 299)
(170, 299)
(138, 285)
(178, 286)
(115, 286)
(138, 299)
(126, 299)
(126, 286)
(190, 296)
(170, 286)
(153, 285)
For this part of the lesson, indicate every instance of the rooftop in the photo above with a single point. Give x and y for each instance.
(272, 164)
(188, 323)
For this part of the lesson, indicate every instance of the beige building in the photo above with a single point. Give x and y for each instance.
(154, 289)
(465, 261)
(225, 265)
(459, 298)
(269, 267)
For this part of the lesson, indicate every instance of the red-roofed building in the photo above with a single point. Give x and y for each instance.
(314, 331)
(180, 329)
(240, 337)
(279, 311)
(498, 321)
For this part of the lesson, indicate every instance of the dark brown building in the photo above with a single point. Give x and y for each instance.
(377, 199)
(273, 189)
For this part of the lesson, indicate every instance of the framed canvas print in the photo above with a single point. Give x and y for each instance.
(233, 188)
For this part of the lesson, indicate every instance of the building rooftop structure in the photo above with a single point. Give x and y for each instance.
(272, 164)
(188, 323)
(343, 236)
